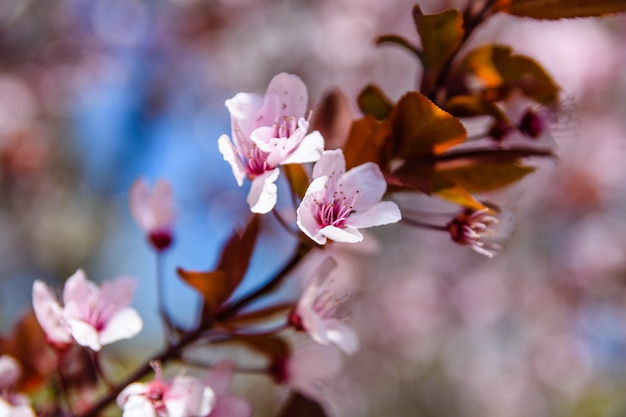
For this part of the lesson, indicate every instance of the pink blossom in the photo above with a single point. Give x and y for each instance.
(10, 372)
(267, 132)
(338, 203)
(184, 396)
(153, 210)
(482, 230)
(226, 405)
(309, 369)
(318, 312)
(12, 404)
(529, 120)
(91, 316)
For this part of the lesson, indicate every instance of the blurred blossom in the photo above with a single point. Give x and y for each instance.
(317, 312)
(12, 404)
(482, 230)
(309, 369)
(338, 203)
(153, 210)
(184, 396)
(10, 372)
(91, 316)
(226, 404)
(121, 22)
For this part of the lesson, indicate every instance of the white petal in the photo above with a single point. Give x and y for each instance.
(243, 110)
(138, 406)
(50, 314)
(330, 161)
(219, 377)
(368, 181)
(10, 372)
(136, 388)
(230, 155)
(189, 397)
(126, 323)
(80, 291)
(263, 192)
(231, 406)
(305, 217)
(115, 295)
(139, 196)
(385, 212)
(313, 324)
(346, 234)
(85, 334)
(342, 335)
(309, 150)
(162, 204)
(311, 364)
(291, 92)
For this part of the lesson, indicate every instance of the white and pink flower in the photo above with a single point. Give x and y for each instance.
(267, 132)
(308, 370)
(12, 404)
(91, 316)
(184, 396)
(226, 404)
(153, 210)
(318, 311)
(338, 203)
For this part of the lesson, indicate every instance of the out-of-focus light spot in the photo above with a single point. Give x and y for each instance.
(120, 22)
(17, 106)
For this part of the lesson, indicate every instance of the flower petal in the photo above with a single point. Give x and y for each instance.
(50, 314)
(263, 192)
(189, 397)
(230, 155)
(136, 388)
(115, 295)
(138, 406)
(10, 372)
(162, 204)
(219, 377)
(126, 323)
(385, 212)
(85, 334)
(292, 94)
(342, 335)
(80, 292)
(368, 181)
(243, 109)
(345, 234)
(139, 196)
(231, 406)
(330, 162)
(309, 150)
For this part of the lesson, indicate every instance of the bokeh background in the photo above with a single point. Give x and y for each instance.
(95, 93)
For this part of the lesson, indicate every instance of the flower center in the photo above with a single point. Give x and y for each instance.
(284, 128)
(257, 162)
(334, 208)
(532, 124)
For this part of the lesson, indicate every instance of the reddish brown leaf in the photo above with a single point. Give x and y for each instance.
(559, 9)
(366, 142)
(469, 106)
(497, 72)
(272, 347)
(420, 128)
(259, 316)
(441, 36)
(373, 102)
(217, 286)
(27, 343)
